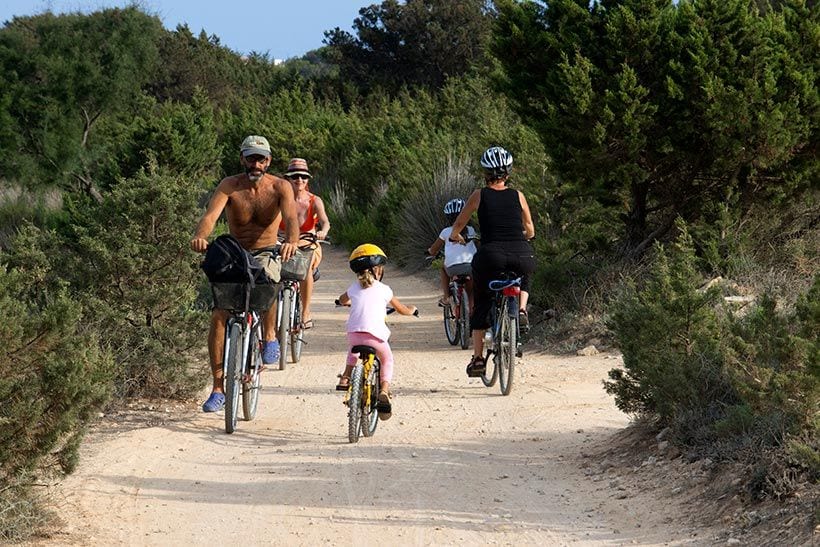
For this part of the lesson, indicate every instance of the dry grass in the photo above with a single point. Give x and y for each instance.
(422, 215)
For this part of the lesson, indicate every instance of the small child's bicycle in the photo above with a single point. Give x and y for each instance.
(457, 312)
(363, 394)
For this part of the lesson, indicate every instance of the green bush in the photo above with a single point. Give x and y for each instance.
(670, 333)
(53, 374)
(737, 384)
(128, 261)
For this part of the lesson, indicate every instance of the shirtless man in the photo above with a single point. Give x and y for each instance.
(252, 202)
(312, 218)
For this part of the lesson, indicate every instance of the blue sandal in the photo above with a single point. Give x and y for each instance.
(270, 352)
(214, 403)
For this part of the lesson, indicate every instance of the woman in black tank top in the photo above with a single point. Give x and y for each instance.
(506, 226)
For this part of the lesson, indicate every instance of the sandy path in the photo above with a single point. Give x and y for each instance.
(457, 464)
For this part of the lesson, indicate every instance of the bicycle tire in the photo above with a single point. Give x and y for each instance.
(250, 388)
(464, 318)
(354, 404)
(285, 305)
(450, 323)
(370, 412)
(491, 371)
(490, 375)
(233, 376)
(506, 357)
(297, 335)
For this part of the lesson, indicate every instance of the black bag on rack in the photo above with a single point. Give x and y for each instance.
(226, 261)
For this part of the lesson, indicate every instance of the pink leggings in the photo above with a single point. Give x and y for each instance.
(383, 352)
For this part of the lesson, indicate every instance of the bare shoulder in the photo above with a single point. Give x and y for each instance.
(229, 184)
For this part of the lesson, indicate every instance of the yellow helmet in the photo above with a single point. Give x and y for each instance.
(366, 256)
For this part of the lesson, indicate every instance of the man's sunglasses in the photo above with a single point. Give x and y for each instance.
(297, 177)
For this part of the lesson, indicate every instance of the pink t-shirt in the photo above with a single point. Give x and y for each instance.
(368, 309)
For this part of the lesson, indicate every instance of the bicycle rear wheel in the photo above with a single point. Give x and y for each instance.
(450, 323)
(285, 314)
(463, 318)
(508, 346)
(491, 371)
(354, 404)
(297, 334)
(233, 375)
(370, 414)
(252, 381)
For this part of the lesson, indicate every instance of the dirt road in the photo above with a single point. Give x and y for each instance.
(457, 463)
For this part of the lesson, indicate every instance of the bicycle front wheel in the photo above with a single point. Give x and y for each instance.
(370, 413)
(297, 334)
(285, 314)
(464, 318)
(354, 404)
(508, 347)
(233, 375)
(252, 380)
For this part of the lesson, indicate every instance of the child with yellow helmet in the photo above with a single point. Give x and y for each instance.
(368, 299)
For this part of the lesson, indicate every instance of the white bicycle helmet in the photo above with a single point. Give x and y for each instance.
(496, 161)
(454, 206)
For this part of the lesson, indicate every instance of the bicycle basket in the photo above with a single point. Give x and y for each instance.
(297, 267)
(231, 296)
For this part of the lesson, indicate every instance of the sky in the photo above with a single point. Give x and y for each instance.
(280, 28)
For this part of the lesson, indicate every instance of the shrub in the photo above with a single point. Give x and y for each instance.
(127, 260)
(669, 333)
(744, 386)
(53, 374)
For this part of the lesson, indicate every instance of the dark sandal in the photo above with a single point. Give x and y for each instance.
(523, 320)
(384, 407)
(344, 383)
(477, 367)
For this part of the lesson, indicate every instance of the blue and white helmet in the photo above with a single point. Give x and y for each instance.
(497, 162)
(454, 206)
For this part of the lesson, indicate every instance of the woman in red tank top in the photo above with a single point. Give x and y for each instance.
(312, 218)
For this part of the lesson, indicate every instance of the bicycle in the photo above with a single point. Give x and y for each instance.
(503, 335)
(242, 357)
(457, 312)
(289, 329)
(363, 394)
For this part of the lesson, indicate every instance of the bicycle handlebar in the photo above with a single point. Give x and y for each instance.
(389, 309)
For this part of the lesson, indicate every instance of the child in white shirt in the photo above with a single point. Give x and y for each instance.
(457, 257)
(368, 299)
